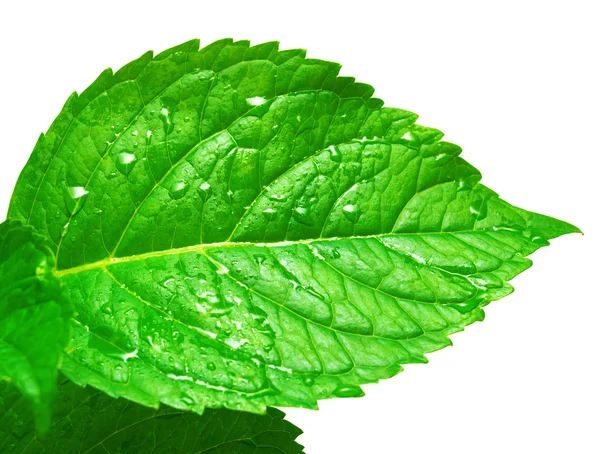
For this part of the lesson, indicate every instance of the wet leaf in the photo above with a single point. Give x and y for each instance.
(240, 227)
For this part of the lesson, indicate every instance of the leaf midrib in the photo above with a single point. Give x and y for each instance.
(109, 261)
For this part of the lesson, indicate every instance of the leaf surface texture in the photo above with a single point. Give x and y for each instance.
(88, 421)
(240, 227)
(34, 317)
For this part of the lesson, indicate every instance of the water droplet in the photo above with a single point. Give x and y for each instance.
(188, 400)
(348, 391)
(412, 139)
(538, 239)
(120, 374)
(351, 212)
(256, 101)
(178, 189)
(335, 253)
(167, 120)
(501, 228)
(335, 154)
(309, 381)
(259, 258)
(443, 158)
(277, 197)
(77, 192)
(205, 191)
(75, 197)
(106, 309)
(303, 215)
(485, 281)
(170, 283)
(126, 162)
(270, 214)
(479, 299)
(211, 366)
(108, 348)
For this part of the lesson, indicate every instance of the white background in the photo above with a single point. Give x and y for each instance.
(516, 84)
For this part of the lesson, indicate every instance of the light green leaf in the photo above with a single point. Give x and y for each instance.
(240, 227)
(34, 317)
(88, 421)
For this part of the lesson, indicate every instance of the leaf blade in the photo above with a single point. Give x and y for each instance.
(34, 314)
(206, 170)
(89, 421)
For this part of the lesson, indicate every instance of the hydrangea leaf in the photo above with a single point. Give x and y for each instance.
(88, 421)
(240, 227)
(34, 317)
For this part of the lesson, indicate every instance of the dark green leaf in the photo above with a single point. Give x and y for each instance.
(34, 326)
(88, 421)
(241, 227)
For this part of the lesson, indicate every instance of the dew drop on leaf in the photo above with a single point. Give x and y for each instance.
(351, 212)
(167, 120)
(256, 101)
(169, 283)
(486, 281)
(411, 139)
(443, 158)
(335, 154)
(277, 197)
(538, 239)
(474, 210)
(309, 381)
(75, 197)
(126, 162)
(187, 400)
(467, 306)
(348, 391)
(205, 191)
(178, 189)
(270, 214)
(303, 215)
(120, 374)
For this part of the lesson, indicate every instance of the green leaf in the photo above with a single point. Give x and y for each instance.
(240, 227)
(88, 421)
(34, 326)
